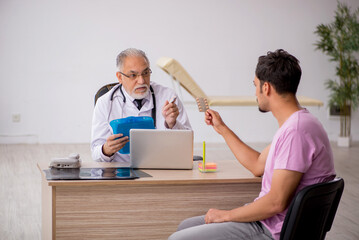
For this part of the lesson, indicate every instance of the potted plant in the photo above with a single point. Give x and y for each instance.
(340, 41)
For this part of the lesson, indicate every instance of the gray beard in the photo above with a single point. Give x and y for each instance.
(140, 96)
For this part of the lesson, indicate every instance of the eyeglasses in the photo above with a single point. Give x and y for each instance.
(134, 76)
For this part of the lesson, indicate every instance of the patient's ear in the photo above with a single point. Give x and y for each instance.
(266, 88)
(119, 77)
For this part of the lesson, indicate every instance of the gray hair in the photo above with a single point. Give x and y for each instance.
(130, 52)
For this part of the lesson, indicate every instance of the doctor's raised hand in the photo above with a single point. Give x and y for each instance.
(170, 112)
(113, 144)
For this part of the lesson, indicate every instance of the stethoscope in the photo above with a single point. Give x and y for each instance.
(153, 113)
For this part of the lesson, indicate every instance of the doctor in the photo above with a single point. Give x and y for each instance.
(135, 95)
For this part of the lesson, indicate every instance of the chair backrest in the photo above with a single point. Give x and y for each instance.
(104, 90)
(312, 211)
(177, 72)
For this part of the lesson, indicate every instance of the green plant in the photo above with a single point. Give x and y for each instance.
(340, 41)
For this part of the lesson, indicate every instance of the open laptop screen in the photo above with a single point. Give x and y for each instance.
(161, 149)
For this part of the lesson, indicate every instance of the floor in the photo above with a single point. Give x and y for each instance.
(20, 193)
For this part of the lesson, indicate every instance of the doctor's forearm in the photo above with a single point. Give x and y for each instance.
(180, 126)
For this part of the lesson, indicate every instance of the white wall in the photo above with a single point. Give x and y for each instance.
(55, 54)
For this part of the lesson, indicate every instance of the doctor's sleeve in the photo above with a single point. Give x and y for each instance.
(100, 131)
(182, 121)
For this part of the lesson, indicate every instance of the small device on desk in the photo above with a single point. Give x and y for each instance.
(72, 161)
(197, 158)
(206, 167)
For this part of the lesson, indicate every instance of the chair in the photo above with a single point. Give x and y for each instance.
(104, 90)
(180, 75)
(312, 211)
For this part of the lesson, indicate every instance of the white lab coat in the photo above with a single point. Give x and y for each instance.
(103, 115)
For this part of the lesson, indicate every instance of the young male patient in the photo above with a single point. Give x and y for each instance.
(299, 155)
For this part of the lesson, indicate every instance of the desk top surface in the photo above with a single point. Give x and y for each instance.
(228, 171)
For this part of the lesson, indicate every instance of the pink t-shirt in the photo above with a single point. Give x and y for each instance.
(302, 145)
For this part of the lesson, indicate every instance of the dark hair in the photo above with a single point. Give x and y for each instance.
(281, 70)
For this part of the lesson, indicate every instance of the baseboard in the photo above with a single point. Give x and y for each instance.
(17, 139)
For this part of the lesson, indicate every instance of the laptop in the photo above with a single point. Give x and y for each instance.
(161, 149)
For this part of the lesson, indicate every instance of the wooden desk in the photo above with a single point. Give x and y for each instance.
(145, 208)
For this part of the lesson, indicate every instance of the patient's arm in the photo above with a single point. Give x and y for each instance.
(247, 156)
(262, 159)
